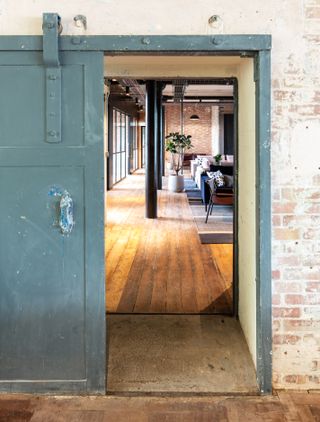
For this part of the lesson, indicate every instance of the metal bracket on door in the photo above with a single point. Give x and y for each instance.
(51, 30)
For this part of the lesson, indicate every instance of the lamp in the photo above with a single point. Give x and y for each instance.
(194, 117)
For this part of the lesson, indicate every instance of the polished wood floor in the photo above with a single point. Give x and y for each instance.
(282, 407)
(160, 266)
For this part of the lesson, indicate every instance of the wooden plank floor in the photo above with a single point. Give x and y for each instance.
(290, 407)
(160, 266)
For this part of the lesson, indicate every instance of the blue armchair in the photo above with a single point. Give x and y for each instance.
(205, 190)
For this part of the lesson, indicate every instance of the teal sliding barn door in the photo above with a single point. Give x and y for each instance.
(52, 306)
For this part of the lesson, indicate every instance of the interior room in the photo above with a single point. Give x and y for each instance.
(201, 280)
(177, 298)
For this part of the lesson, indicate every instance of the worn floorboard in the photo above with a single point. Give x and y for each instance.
(285, 407)
(160, 266)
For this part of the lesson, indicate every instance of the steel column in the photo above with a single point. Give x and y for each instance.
(163, 141)
(159, 149)
(151, 128)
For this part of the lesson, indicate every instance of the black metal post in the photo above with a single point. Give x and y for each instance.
(163, 141)
(151, 185)
(159, 140)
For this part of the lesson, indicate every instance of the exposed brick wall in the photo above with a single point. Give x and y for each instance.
(296, 207)
(200, 130)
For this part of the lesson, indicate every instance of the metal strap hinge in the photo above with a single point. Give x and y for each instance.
(51, 29)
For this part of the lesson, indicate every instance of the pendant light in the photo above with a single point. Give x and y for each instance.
(194, 117)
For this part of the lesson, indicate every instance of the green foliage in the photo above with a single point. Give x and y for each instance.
(177, 144)
(218, 158)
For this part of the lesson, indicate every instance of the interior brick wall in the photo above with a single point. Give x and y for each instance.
(200, 130)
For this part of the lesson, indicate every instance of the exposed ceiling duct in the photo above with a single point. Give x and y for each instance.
(179, 87)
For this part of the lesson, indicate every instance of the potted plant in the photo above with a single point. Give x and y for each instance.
(177, 144)
(218, 158)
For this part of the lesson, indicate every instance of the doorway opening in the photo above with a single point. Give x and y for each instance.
(183, 262)
(172, 283)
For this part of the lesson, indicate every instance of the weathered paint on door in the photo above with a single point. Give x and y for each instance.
(52, 308)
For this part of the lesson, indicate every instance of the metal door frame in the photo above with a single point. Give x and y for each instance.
(259, 48)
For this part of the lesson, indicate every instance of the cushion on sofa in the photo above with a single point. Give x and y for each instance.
(228, 181)
(206, 163)
(218, 178)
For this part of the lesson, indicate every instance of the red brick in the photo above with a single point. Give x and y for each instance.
(199, 130)
(300, 220)
(284, 95)
(307, 110)
(291, 194)
(276, 299)
(286, 233)
(295, 379)
(284, 207)
(286, 287)
(286, 339)
(313, 275)
(294, 299)
(291, 260)
(297, 324)
(276, 274)
(276, 221)
(286, 312)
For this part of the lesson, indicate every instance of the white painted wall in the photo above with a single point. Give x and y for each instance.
(247, 204)
(215, 132)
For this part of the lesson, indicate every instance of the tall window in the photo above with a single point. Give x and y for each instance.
(120, 137)
(135, 151)
(143, 146)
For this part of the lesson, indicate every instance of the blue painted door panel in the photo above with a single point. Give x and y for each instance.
(52, 310)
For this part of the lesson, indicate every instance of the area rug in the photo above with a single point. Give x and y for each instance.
(190, 185)
(219, 228)
(192, 191)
